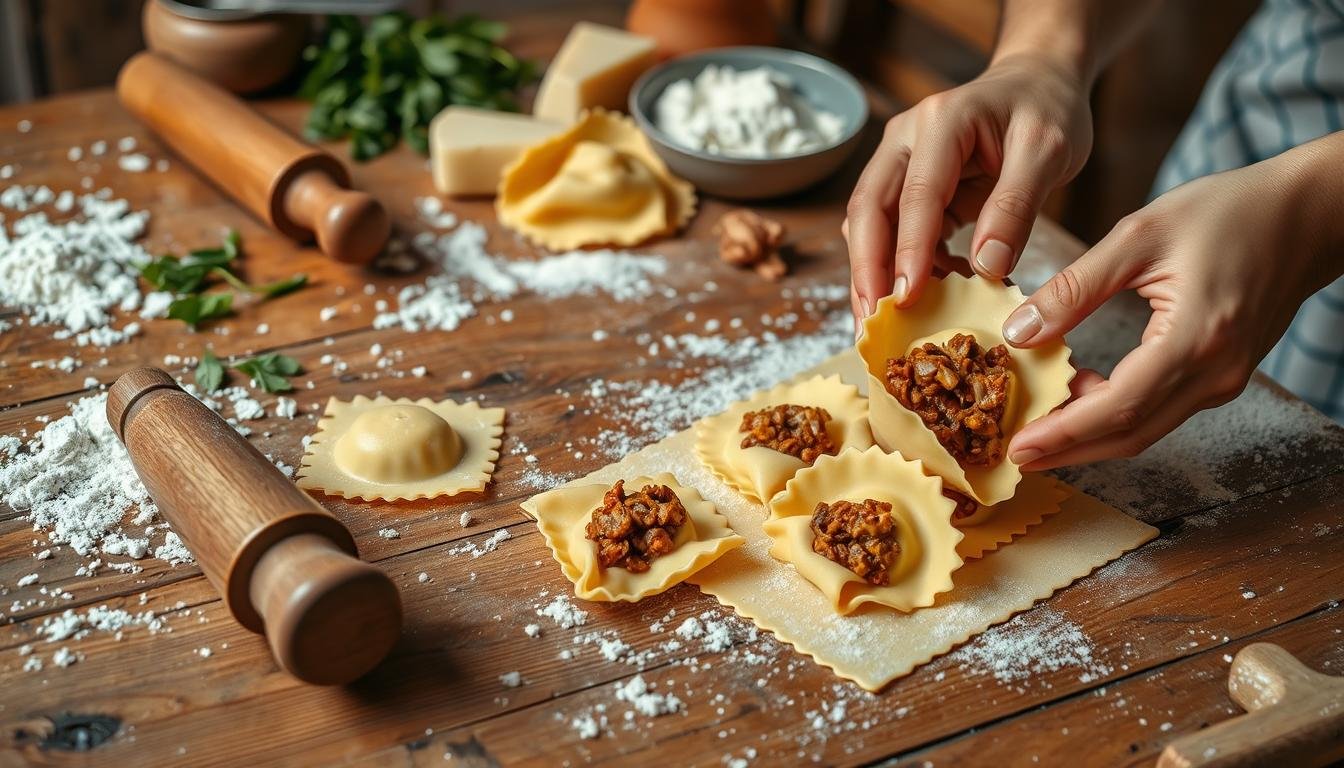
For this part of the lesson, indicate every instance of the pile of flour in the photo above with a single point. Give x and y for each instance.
(73, 272)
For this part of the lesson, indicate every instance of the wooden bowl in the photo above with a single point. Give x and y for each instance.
(243, 55)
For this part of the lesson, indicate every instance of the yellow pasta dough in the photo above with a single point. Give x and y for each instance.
(759, 472)
(1037, 497)
(923, 519)
(562, 515)
(598, 183)
(402, 449)
(956, 304)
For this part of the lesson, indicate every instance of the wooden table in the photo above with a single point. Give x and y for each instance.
(1247, 498)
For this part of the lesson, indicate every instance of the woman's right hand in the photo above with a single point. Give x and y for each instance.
(989, 151)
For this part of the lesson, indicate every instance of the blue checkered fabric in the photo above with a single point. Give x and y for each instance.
(1279, 85)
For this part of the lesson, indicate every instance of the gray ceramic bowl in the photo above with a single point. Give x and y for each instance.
(822, 83)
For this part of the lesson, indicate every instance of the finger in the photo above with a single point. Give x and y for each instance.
(1141, 382)
(1173, 412)
(869, 221)
(1085, 381)
(930, 182)
(1075, 292)
(1001, 231)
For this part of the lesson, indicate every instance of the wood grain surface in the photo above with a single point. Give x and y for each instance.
(1247, 497)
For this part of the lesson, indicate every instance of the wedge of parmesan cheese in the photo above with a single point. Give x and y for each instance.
(595, 67)
(469, 148)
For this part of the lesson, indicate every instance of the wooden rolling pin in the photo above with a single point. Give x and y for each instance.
(1294, 716)
(285, 566)
(296, 188)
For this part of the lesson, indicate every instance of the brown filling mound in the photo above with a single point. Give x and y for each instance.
(798, 430)
(966, 506)
(959, 391)
(861, 537)
(633, 530)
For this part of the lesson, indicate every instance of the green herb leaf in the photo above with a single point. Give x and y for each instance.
(373, 84)
(281, 287)
(271, 371)
(209, 372)
(197, 308)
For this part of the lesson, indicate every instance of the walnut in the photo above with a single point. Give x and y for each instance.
(797, 430)
(960, 392)
(861, 537)
(633, 530)
(747, 239)
(966, 506)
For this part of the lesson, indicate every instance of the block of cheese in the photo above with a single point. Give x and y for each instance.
(595, 67)
(469, 147)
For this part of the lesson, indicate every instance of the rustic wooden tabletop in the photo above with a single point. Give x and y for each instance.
(1105, 672)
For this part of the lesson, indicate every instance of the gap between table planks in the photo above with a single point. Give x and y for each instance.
(444, 674)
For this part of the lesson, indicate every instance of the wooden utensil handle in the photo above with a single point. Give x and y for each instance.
(296, 188)
(1295, 716)
(285, 566)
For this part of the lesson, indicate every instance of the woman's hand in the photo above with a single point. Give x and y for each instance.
(1224, 261)
(991, 150)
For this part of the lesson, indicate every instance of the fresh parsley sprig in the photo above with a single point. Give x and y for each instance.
(270, 371)
(189, 275)
(391, 78)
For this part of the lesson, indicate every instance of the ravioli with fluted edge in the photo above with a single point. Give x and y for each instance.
(402, 449)
(867, 527)
(598, 183)
(950, 344)
(632, 539)
(757, 444)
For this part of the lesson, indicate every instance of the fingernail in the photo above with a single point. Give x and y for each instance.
(858, 329)
(1025, 456)
(900, 288)
(1024, 323)
(866, 306)
(995, 258)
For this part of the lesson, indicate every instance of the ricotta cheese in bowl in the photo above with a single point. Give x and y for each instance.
(754, 113)
(750, 123)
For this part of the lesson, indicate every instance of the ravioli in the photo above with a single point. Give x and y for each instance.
(759, 472)
(598, 183)
(402, 449)
(977, 307)
(923, 529)
(563, 516)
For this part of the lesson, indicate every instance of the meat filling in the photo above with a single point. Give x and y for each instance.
(633, 530)
(860, 536)
(960, 391)
(798, 430)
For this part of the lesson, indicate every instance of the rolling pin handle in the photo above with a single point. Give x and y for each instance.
(308, 590)
(350, 226)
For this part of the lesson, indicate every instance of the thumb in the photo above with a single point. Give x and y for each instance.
(1074, 293)
(1005, 221)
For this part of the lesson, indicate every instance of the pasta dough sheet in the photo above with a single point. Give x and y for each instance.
(876, 645)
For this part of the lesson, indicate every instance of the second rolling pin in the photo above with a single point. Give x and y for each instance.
(296, 188)
(285, 566)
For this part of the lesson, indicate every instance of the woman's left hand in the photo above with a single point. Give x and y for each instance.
(1224, 261)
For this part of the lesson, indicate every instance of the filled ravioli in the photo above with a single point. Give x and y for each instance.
(598, 183)
(867, 527)
(402, 449)
(631, 539)
(758, 444)
(945, 388)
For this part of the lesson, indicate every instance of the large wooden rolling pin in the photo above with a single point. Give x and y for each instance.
(294, 187)
(1294, 717)
(284, 565)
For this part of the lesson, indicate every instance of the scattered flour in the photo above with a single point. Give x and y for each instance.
(1032, 643)
(563, 612)
(485, 547)
(75, 272)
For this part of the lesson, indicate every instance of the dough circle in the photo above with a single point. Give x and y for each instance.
(598, 183)
(759, 472)
(563, 514)
(974, 305)
(396, 443)
(922, 514)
